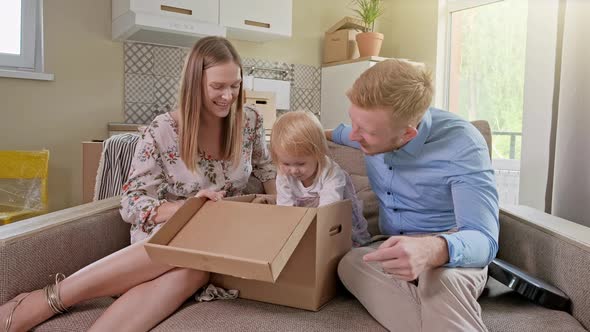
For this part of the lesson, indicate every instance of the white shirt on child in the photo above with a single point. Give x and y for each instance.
(332, 185)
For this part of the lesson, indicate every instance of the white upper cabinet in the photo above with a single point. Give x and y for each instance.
(256, 20)
(183, 22)
(198, 10)
(166, 22)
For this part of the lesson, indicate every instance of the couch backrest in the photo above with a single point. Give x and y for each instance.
(552, 249)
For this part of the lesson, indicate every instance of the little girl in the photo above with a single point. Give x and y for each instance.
(306, 175)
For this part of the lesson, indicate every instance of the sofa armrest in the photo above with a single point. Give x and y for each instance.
(550, 248)
(60, 242)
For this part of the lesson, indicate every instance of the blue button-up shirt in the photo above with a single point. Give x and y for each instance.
(440, 180)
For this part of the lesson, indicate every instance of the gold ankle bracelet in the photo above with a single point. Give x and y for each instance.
(52, 295)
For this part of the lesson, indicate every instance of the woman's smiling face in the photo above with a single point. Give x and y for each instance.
(222, 86)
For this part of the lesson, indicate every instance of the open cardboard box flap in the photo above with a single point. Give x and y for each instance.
(347, 23)
(237, 238)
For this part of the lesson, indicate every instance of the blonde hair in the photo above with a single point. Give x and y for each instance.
(206, 53)
(403, 87)
(299, 133)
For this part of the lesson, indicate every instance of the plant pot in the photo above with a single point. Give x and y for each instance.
(369, 43)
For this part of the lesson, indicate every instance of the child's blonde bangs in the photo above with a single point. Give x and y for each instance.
(299, 133)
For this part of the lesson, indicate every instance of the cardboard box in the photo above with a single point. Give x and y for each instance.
(276, 254)
(340, 40)
(265, 103)
(91, 152)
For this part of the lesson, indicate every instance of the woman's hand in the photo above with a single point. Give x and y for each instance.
(167, 210)
(210, 194)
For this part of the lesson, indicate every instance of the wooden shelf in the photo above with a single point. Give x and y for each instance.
(365, 58)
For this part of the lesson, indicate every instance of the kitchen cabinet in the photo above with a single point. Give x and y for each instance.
(165, 22)
(183, 22)
(196, 10)
(256, 20)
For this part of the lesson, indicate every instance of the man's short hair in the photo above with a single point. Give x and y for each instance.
(401, 86)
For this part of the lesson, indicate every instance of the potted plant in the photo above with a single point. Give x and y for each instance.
(369, 41)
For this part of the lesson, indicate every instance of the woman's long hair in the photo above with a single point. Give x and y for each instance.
(206, 53)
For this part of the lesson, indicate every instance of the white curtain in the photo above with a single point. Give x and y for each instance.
(571, 176)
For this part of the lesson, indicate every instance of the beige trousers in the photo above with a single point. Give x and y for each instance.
(444, 299)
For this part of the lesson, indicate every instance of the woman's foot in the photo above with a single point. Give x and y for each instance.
(24, 312)
(8, 309)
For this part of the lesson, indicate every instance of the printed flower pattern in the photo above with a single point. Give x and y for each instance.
(158, 174)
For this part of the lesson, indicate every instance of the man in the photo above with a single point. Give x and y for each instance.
(432, 174)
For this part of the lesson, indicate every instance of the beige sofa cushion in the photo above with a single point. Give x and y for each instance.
(505, 310)
(558, 258)
(344, 313)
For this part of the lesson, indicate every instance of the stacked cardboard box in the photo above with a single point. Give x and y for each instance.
(340, 40)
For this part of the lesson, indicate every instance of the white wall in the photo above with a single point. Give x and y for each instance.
(571, 191)
(87, 94)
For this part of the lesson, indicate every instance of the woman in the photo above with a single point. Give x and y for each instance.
(208, 148)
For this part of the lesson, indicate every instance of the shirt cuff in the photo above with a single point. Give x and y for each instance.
(456, 249)
(337, 134)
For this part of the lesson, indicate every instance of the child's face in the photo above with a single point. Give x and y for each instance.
(301, 167)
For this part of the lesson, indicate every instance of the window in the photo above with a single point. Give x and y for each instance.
(21, 40)
(483, 74)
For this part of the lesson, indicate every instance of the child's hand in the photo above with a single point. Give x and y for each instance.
(210, 194)
(265, 199)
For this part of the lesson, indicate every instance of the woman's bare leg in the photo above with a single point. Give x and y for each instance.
(145, 305)
(112, 275)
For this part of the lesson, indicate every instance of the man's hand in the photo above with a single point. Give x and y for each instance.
(328, 133)
(210, 194)
(405, 258)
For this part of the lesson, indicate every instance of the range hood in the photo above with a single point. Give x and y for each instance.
(148, 22)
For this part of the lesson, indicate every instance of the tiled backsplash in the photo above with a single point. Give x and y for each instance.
(152, 75)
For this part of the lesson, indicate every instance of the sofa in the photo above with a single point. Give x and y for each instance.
(550, 248)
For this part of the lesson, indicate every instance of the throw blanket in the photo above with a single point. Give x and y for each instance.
(115, 162)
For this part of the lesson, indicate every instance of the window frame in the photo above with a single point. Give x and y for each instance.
(443, 70)
(30, 63)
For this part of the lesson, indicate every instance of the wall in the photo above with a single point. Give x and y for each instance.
(86, 94)
(571, 191)
(413, 30)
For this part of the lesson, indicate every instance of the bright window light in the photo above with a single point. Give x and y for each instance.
(486, 81)
(10, 26)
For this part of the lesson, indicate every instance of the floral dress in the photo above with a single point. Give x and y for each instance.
(158, 175)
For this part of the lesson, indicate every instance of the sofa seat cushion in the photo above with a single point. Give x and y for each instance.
(503, 310)
(506, 310)
(344, 313)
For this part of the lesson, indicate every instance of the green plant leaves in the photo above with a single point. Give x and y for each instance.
(368, 11)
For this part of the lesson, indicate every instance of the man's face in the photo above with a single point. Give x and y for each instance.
(377, 131)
